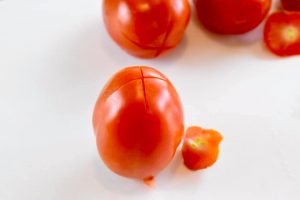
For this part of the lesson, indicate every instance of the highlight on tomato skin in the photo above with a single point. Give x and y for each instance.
(282, 33)
(138, 123)
(200, 147)
(291, 5)
(231, 16)
(146, 29)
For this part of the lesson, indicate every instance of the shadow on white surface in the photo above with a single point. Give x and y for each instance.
(116, 184)
(177, 177)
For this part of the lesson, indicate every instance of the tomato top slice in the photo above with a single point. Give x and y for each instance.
(282, 33)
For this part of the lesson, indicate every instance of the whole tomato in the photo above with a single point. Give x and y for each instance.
(232, 16)
(146, 28)
(291, 5)
(138, 122)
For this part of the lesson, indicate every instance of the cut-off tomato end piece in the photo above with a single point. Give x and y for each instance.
(200, 147)
(282, 33)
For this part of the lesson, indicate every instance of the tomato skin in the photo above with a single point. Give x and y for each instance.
(231, 16)
(138, 122)
(282, 33)
(291, 5)
(146, 29)
(200, 156)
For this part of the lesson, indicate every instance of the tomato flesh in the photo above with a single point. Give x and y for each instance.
(200, 148)
(146, 29)
(291, 5)
(231, 16)
(282, 33)
(138, 122)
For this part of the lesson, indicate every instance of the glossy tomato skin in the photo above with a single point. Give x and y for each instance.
(138, 122)
(231, 16)
(146, 29)
(200, 147)
(282, 33)
(291, 5)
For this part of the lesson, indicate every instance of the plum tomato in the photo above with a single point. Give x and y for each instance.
(200, 147)
(138, 122)
(291, 5)
(146, 28)
(231, 16)
(282, 33)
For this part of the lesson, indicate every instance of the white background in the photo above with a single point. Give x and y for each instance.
(55, 57)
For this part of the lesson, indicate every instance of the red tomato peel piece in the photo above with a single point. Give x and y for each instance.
(282, 33)
(200, 147)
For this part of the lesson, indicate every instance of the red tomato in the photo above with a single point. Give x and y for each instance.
(146, 28)
(231, 16)
(292, 5)
(282, 33)
(138, 122)
(200, 147)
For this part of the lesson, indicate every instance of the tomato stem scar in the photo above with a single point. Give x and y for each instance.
(149, 181)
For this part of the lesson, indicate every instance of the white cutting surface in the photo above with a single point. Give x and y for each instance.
(55, 57)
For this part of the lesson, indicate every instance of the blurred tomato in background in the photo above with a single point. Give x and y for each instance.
(146, 29)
